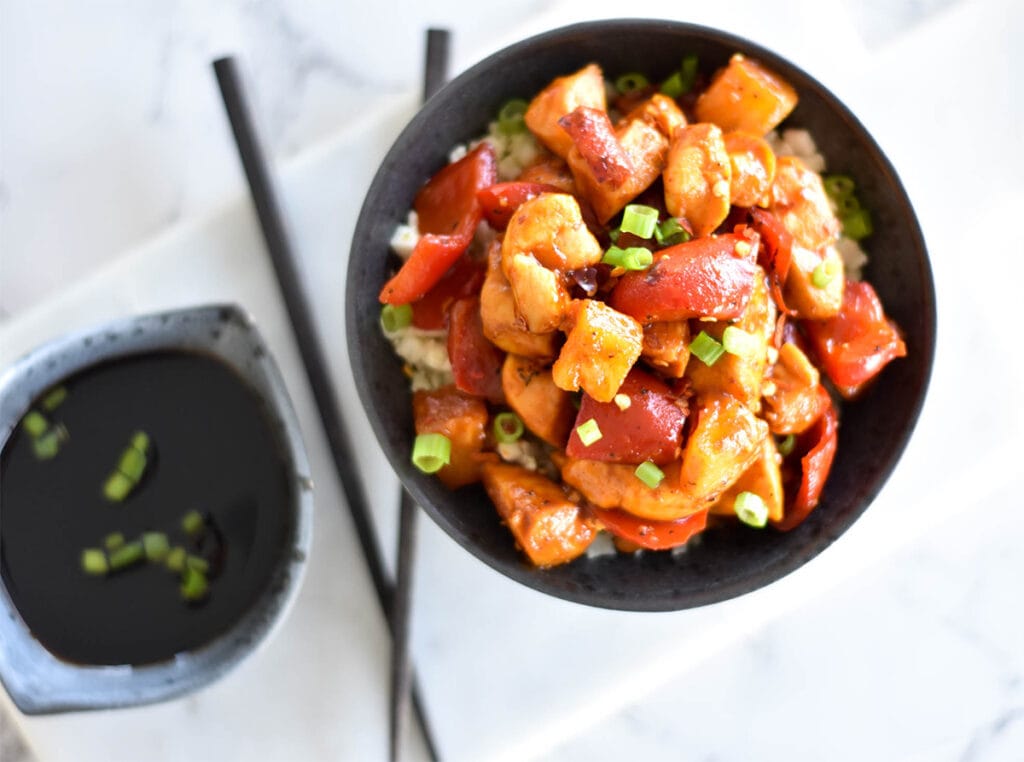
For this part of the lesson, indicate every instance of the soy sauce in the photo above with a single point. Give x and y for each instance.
(215, 449)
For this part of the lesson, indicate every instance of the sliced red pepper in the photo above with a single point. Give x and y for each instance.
(465, 278)
(775, 254)
(430, 260)
(705, 277)
(818, 444)
(476, 362)
(652, 535)
(500, 201)
(650, 428)
(856, 344)
(593, 135)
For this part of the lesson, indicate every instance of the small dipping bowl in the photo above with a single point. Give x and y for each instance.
(40, 682)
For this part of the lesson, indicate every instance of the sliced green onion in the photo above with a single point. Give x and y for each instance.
(395, 317)
(639, 220)
(823, 274)
(751, 509)
(589, 432)
(94, 561)
(193, 523)
(838, 186)
(786, 445)
(649, 474)
(431, 452)
(847, 205)
(633, 258)
(738, 342)
(508, 427)
(198, 563)
(614, 234)
(34, 423)
(132, 464)
(857, 225)
(156, 546)
(670, 232)
(510, 116)
(48, 445)
(113, 541)
(193, 584)
(707, 349)
(54, 398)
(128, 554)
(674, 86)
(629, 83)
(117, 487)
(175, 560)
(689, 71)
(140, 441)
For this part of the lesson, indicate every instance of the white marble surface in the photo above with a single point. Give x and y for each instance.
(904, 641)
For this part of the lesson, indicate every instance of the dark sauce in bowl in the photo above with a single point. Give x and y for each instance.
(214, 448)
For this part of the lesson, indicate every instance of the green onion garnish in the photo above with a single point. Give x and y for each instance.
(395, 317)
(54, 398)
(639, 220)
(670, 232)
(614, 235)
(508, 427)
(633, 258)
(847, 205)
(175, 560)
(132, 464)
(751, 509)
(689, 71)
(823, 273)
(738, 342)
(128, 554)
(34, 423)
(510, 116)
(140, 442)
(431, 452)
(629, 83)
(193, 584)
(94, 561)
(113, 541)
(156, 546)
(683, 80)
(48, 445)
(198, 563)
(838, 186)
(117, 487)
(649, 474)
(193, 523)
(707, 349)
(857, 225)
(589, 432)
(674, 86)
(786, 445)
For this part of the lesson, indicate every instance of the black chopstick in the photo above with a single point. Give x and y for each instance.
(435, 74)
(268, 210)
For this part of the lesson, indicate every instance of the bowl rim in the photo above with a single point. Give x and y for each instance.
(799, 556)
(38, 681)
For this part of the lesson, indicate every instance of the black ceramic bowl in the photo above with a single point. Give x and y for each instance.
(874, 430)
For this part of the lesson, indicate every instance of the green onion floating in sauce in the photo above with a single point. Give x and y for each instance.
(431, 452)
(193, 523)
(639, 220)
(511, 116)
(670, 232)
(175, 560)
(395, 317)
(94, 561)
(751, 509)
(589, 432)
(633, 258)
(132, 464)
(128, 554)
(198, 563)
(48, 445)
(113, 541)
(53, 398)
(193, 584)
(117, 487)
(706, 348)
(35, 424)
(786, 445)
(156, 546)
(738, 342)
(130, 468)
(508, 427)
(649, 474)
(631, 82)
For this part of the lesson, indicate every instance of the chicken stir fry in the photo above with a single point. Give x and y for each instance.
(649, 325)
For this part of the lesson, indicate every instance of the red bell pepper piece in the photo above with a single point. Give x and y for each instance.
(818, 444)
(702, 277)
(651, 428)
(776, 253)
(856, 344)
(593, 135)
(448, 216)
(465, 278)
(500, 201)
(476, 362)
(653, 535)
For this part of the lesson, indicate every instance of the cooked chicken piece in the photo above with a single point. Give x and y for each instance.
(601, 346)
(763, 478)
(798, 200)
(746, 96)
(753, 169)
(460, 417)
(540, 295)
(806, 299)
(697, 177)
(550, 227)
(615, 485)
(792, 401)
(531, 392)
(502, 325)
(563, 95)
(666, 346)
(549, 170)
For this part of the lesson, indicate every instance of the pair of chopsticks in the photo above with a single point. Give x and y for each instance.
(395, 602)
